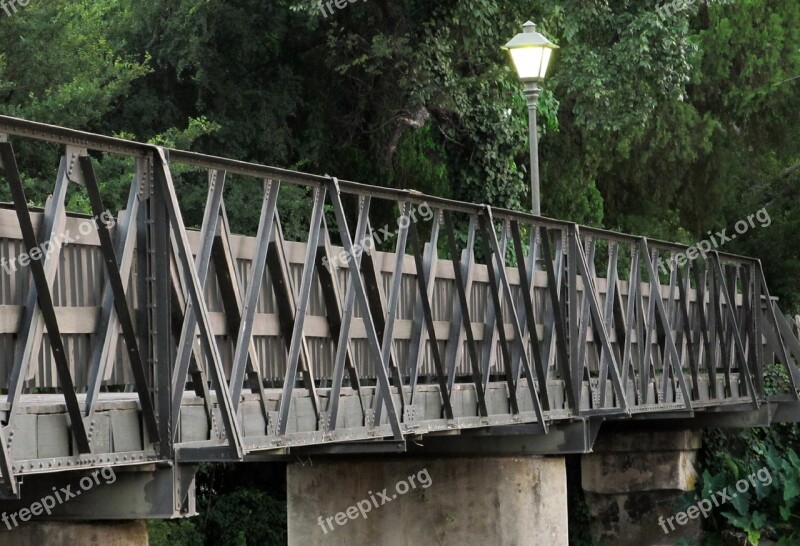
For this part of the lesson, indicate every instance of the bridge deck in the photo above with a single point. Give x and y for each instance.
(39, 440)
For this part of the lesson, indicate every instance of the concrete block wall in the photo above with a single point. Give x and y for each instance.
(634, 478)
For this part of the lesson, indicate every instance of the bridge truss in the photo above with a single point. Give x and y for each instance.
(158, 340)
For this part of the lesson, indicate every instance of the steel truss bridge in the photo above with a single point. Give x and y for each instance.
(151, 345)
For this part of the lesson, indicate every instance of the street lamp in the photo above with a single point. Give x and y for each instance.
(531, 53)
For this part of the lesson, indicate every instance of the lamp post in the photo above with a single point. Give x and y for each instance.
(531, 53)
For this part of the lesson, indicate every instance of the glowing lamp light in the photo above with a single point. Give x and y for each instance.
(531, 53)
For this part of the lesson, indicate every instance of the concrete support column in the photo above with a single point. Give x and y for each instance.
(415, 501)
(129, 533)
(633, 478)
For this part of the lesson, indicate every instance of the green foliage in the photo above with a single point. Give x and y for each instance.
(729, 456)
(245, 517)
(179, 533)
(579, 519)
(238, 505)
(768, 507)
(59, 65)
(640, 115)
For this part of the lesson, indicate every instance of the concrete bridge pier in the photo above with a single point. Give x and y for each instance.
(632, 481)
(518, 500)
(128, 533)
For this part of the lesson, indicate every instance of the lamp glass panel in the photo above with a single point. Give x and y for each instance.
(528, 61)
(547, 52)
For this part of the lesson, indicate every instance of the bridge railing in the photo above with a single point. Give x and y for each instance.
(451, 315)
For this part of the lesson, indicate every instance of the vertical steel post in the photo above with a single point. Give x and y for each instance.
(162, 349)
